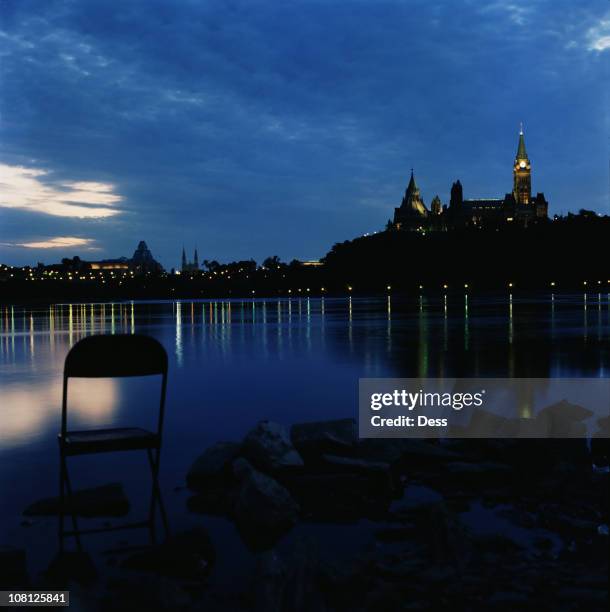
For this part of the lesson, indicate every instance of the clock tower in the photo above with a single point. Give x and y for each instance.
(522, 174)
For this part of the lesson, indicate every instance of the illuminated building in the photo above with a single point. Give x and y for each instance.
(142, 262)
(109, 264)
(518, 206)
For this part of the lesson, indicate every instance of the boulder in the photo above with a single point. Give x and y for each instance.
(337, 437)
(566, 410)
(342, 496)
(213, 466)
(263, 508)
(268, 447)
(337, 463)
(416, 499)
(107, 500)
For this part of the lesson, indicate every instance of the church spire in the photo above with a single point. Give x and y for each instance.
(196, 260)
(183, 259)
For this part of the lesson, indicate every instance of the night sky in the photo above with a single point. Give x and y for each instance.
(251, 128)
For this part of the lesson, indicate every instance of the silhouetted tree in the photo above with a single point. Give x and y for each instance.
(272, 263)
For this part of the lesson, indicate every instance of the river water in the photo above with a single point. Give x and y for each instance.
(232, 363)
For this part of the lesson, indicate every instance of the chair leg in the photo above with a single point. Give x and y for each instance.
(61, 502)
(72, 511)
(156, 497)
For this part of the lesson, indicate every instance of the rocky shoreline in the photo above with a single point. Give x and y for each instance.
(460, 524)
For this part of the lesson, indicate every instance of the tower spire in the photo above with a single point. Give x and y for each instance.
(521, 152)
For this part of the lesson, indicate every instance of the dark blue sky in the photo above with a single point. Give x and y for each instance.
(252, 128)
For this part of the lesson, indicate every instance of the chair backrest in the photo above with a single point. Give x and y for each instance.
(115, 356)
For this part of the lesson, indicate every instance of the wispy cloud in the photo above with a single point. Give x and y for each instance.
(516, 13)
(59, 242)
(26, 188)
(598, 37)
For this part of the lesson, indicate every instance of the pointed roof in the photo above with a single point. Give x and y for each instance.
(412, 201)
(521, 152)
(412, 186)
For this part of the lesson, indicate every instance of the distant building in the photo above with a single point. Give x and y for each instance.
(189, 266)
(122, 263)
(141, 262)
(519, 206)
(412, 212)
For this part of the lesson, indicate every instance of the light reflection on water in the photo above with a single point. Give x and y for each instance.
(310, 350)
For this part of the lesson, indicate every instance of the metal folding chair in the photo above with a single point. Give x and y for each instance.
(115, 356)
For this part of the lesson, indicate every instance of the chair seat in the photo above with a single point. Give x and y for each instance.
(107, 440)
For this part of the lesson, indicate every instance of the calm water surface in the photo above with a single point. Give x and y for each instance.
(232, 363)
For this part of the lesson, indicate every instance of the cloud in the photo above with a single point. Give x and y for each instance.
(516, 13)
(26, 188)
(598, 36)
(59, 242)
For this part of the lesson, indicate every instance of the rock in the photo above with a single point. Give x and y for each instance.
(482, 424)
(429, 450)
(416, 498)
(107, 500)
(436, 526)
(212, 466)
(475, 474)
(263, 508)
(343, 496)
(564, 420)
(566, 410)
(268, 447)
(13, 568)
(401, 450)
(317, 438)
(336, 463)
(188, 555)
